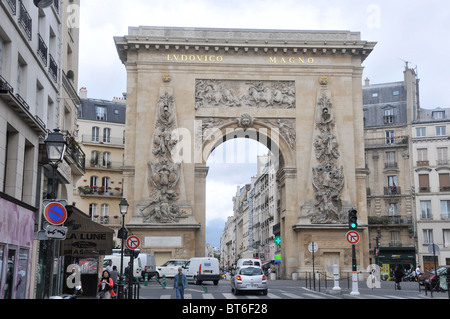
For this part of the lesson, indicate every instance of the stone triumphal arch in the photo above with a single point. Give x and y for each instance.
(297, 92)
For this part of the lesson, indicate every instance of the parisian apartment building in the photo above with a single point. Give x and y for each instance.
(38, 94)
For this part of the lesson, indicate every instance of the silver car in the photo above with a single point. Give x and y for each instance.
(249, 279)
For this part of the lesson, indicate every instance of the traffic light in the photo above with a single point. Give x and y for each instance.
(352, 219)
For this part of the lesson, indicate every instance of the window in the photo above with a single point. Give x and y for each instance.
(93, 210)
(95, 134)
(390, 137)
(442, 155)
(388, 116)
(105, 210)
(22, 274)
(106, 160)
(94, 158)
(374, 94)
(446, 235)
(422, 155)
(438, 115)
(440, 131)
(94, 182)
(425, 206)
(390, 160)
(428, 236)
(106, 183)
(421, 131)
(444, 182)
(395, 238)
(396, 93)
(393, 209)
(100, 112)
(445, 209)
(424, 183)
(107, 135)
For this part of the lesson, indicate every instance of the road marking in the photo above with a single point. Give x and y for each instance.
(314, 296)
(208, 296)
(291, 295)
(187, 296)
(229, 296)
(270, 295)
(165, 297)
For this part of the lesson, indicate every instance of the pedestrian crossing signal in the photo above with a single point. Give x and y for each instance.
(352, 219)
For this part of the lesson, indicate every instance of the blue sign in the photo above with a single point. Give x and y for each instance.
(55, 213)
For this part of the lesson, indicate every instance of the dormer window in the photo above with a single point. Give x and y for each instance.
(388, 116)
(100, 112)
(438, 115)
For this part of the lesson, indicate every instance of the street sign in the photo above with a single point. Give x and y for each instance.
(133, 242)
(55, 232)
(435, 247)
(313, 247)
(55, 213)
(353, 237)
(278, 240)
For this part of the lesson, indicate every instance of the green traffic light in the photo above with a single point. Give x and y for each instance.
(353, 225)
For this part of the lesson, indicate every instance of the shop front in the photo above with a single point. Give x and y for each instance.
(16, 243)
(85, 244)
(390, 257)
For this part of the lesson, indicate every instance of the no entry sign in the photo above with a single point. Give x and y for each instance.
(133, 242)
(353, 237)
(55, 213)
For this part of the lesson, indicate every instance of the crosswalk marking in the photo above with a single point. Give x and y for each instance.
(291, 295)
(272, 296)
(229, 296)
(208, 296)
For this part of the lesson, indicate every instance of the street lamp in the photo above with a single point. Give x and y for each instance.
(56, 147)
(43, 3)
(123, 207)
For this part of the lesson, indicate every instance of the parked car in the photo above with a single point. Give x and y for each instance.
(249, 279)
(203, 269)
(430, 276)
(170, 267)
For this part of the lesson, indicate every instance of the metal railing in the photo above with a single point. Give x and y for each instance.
(25, 20)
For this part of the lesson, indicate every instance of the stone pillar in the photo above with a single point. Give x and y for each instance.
(200, 208)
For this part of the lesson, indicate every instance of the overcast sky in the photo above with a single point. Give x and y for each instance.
(414, 31)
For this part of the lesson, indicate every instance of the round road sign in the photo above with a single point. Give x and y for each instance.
(133, 242)
(55, 213)
(353, 237)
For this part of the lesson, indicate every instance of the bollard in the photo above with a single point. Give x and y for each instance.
(336, 278)
(146, 280)
(164, 281)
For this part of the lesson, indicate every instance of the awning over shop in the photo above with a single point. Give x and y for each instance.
(85, 238)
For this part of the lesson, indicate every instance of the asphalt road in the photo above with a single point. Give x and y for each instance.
(289, 289)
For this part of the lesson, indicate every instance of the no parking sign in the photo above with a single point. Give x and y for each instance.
(55, 213)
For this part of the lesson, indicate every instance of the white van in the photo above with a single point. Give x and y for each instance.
(248, 262)
(148, 265)
(170, 267)
(137, 271)
(203, 269)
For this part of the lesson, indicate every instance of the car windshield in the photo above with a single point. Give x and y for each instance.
(251, 271)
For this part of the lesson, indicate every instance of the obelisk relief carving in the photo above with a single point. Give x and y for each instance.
(164, 175)
(327, 176)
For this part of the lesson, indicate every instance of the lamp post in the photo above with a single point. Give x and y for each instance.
(123, 206)
(43, 3)
(56, 147)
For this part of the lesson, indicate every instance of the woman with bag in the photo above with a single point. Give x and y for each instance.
(105, 287)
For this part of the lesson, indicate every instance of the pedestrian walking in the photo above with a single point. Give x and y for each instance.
(105, 286)
(115, 277)
(180, 283)
(398, 275)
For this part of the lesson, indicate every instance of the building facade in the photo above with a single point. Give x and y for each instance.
(430, 142)
(389, 109)
(101, 135)
(38, 95)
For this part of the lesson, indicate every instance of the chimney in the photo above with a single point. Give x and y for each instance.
(83, 93)
(367, 82)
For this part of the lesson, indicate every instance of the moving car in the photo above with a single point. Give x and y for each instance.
(430, 277)
(249, 279)
(170, 267)
(248, 262)
(202, 269)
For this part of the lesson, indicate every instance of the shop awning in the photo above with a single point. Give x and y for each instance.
(85, 238)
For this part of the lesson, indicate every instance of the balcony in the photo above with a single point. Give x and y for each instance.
(423, 163)
(392, 190)
(424, 189)
(25, 20)
(100, 191)
(42, 50)
(386, 142)
(444, 189)
(12, 5)
(53, 68)
(108, 165)
(75, 155)
(106, 141)
(390, 220)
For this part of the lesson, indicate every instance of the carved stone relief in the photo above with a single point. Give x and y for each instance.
(259, 94)
(163, 176)
(327, 176)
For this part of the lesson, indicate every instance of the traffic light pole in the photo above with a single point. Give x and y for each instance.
(354, 273)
